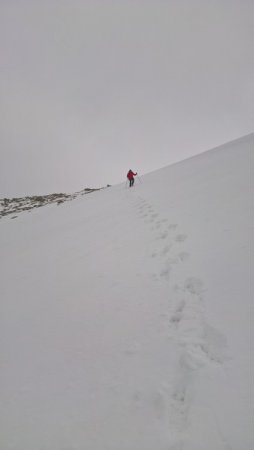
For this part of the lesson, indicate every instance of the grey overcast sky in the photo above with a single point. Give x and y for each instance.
(91, 88)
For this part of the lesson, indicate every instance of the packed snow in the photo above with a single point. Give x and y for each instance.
(127, 315)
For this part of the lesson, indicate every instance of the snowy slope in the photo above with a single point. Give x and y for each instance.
(127, 315)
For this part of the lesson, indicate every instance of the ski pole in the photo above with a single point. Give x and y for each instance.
(139, 179)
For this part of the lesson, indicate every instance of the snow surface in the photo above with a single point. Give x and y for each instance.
(127, 315)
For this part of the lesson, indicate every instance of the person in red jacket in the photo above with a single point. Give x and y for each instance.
(130, 176)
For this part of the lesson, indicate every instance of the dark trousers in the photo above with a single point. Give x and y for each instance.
(131, 182)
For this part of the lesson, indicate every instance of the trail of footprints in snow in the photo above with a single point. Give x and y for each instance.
(199, 344)
(163, 234)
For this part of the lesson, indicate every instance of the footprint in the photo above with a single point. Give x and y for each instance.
(180, 237)
(176, 317)
(215, 345)
(194, 285)
(183, 256)
(180, 306)
(165, 250)
(163, 235)
(158, 225)
(178, 313)
(173, 260)
(172, 226)
(165, 273)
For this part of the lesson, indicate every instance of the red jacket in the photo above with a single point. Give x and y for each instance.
(131, 175)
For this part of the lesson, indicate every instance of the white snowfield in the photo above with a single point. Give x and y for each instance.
(127, 316)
